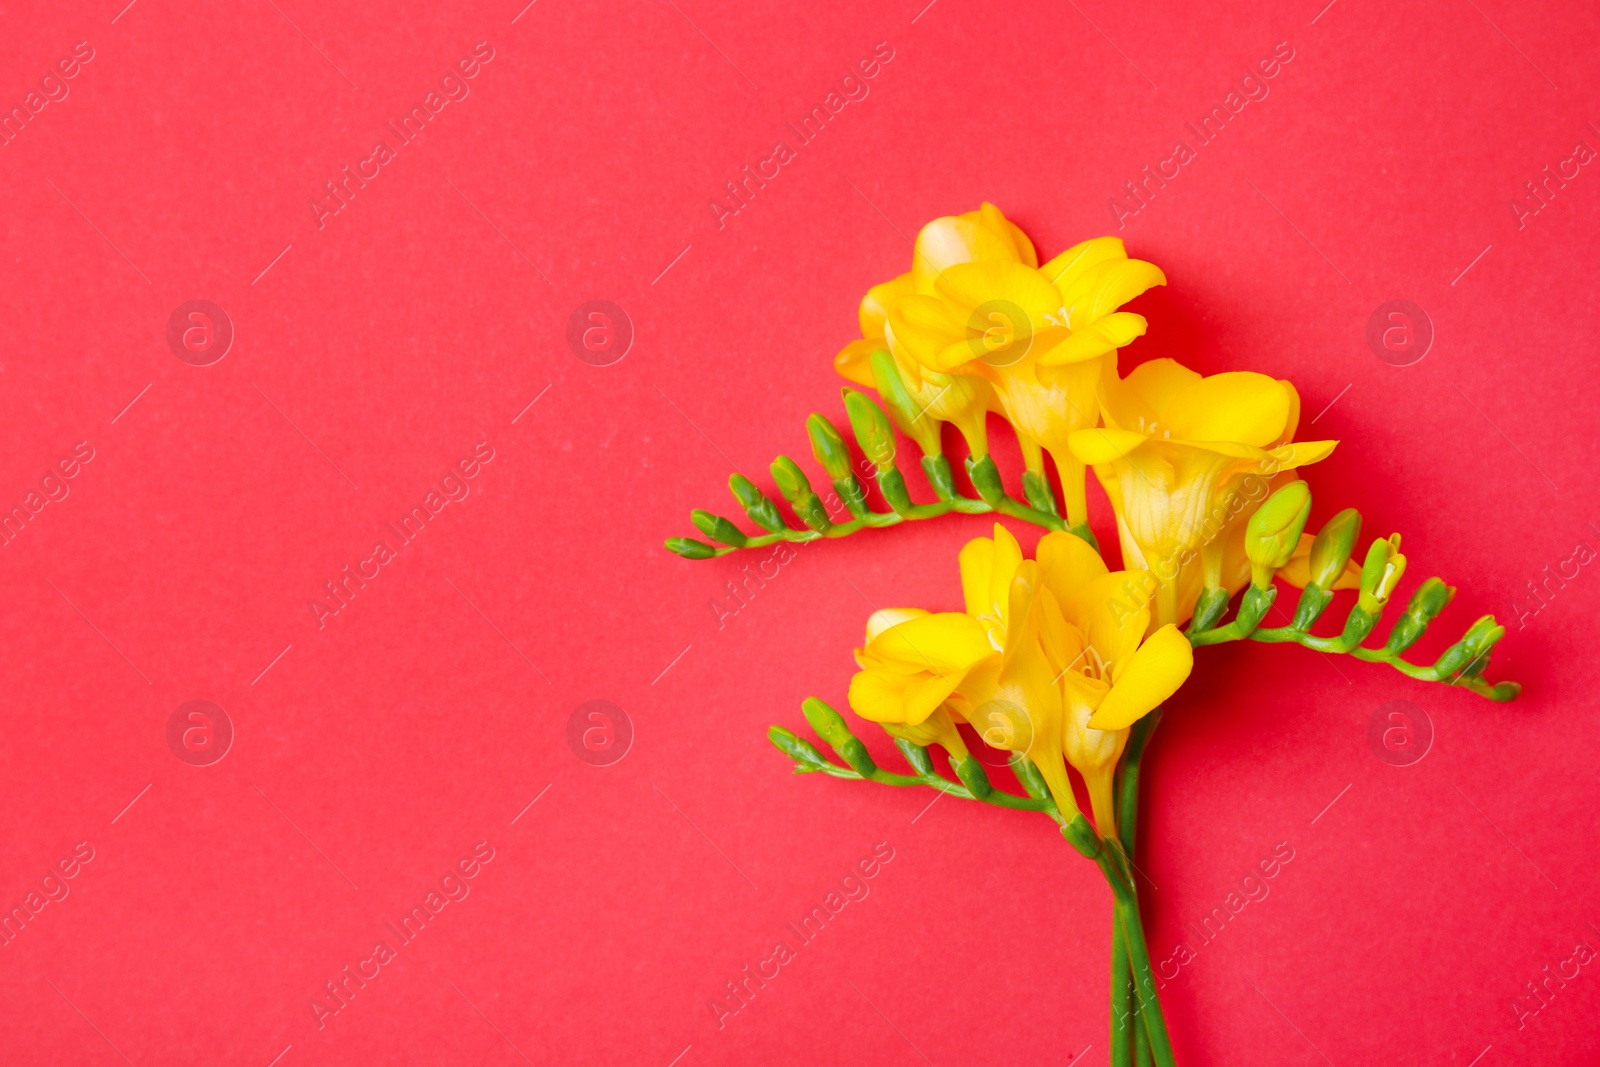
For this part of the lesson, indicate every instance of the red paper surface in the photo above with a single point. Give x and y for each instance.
(376, 347)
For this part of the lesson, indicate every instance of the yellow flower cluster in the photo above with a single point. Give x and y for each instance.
(1046, 660)
(1057, 656)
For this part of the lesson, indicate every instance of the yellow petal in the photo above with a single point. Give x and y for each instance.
(1062, 642)
(947, 643)
(920, 326)
(950, 240)
(1237, 406)
(1301, 454)
(1069, 266)
(969, 285)
(1292, 423)
(854, 361)
(1007, 559)
(977, 568)
(1104, 335)
(884, 618)
(1118, 609)
(1105, 446)
(1138, 401)
(1106, 286)
(1067, 563)
(874, 310)
(886, 697)
(1152, 674)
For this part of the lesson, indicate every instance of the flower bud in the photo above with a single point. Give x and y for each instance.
(908, 414)
(832, 728)
(1209, 608)
(689, 548)
(986, 479)
(1471, 654)
(1426, 603)
(1274, 531)
(1331, 550)
(803, 752)
(829, 447)
(718, 528)
(916, 755)
(936, 469)
(872, 428)
(796, 489)
(762, 511)
(1381, 573)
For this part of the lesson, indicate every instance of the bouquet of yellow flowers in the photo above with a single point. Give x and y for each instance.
(1060, 660)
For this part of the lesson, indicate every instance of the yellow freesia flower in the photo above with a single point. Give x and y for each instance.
(912, 661)
(957, 398)
(977, 306)
(1044, 661)
(1176, 449)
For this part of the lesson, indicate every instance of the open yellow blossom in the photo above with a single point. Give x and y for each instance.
(1046, 661)
(978, 306)
(1111, 674)
(959, 399)
(912, 661)
(1175, 451)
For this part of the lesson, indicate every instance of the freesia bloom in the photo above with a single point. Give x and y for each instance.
(978, 306)
(1044, 661)
(1175, 450)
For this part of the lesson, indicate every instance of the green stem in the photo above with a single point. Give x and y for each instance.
(1122, 995)
(997, 797)
(1501, 692)
(1155, 1025)
(1008, 506)
(1124, 999)
(1122, 984)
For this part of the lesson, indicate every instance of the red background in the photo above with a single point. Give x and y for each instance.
(426, 715)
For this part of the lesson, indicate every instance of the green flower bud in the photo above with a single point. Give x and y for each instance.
(937, 470)
(1036, 487)
(892, 484)
(973, 776)
(1314, 600)
(1381, 573)
(1333, 546)
(1426, 603)
(829, 448)
(1209, 608)
(1273, 532)
(986, 479)
(718, 528)
(1470, 655)
(829, 724)
(796, 489)
(831, 727)
(916, 755)
(803, 752)
(762, 511)
(1030, 778)
(872, 428)
(913, 420)
(689, 548)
